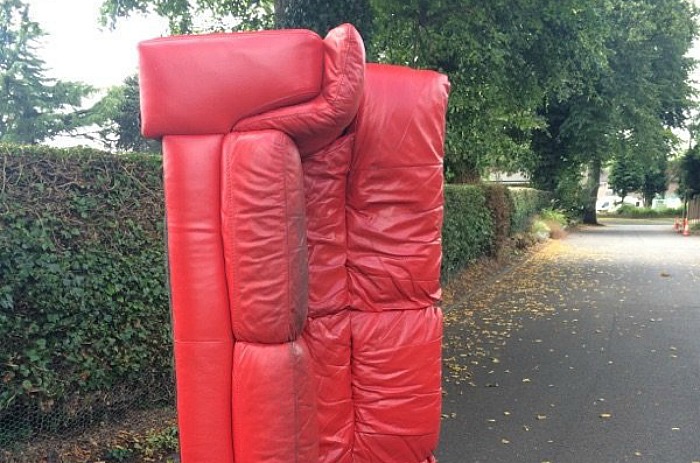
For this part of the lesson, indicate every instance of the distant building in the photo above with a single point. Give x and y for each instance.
(516, 179)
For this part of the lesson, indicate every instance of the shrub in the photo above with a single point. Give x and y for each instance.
(630, 211)
(498, 201)
(480, 219)
(555, 221)
(467, 232)
(526, 202)
(84, 319)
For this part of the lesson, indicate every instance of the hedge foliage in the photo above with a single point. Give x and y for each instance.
(526, 202)
(467, 231)
(84, 319)
(480, 218)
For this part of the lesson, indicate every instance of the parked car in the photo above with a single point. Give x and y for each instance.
(613, 203)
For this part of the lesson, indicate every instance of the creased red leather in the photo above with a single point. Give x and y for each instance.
(329, 341)
(396, 375)
(274, 404)
(394, 221)
(395, 202)
(317, 123)
(325, 184)
(204, 84)
(304, 252)
(264, 236)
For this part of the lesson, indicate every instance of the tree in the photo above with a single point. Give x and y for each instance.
(504, 59)
(655, 179)
(641, 92)
(33, 107)
(323, 15)
(626, 175)
(213, 15)
(186, 17)
(117, 115)
(690, 172)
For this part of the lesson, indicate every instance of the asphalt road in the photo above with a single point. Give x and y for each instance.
(588, 351)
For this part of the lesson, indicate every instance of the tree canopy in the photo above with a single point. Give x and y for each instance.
(553, 88)
(690, 172)
(33, 107)
(118, 121)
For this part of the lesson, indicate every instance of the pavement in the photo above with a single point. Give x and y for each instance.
(586, 351)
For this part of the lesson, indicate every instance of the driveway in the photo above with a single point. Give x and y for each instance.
(587, 351)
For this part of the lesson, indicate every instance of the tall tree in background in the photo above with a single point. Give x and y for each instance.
(183, 15)
(32, 106)
(655, 179)
(626, 174)
(186, 17)
(643, 90)
(548, 87)
(117, 117)
(690, 172)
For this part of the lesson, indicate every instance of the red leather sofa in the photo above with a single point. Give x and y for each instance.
(304, 207)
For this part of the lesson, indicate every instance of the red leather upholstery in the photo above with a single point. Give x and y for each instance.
(330, 344)
(317, 123)
(203, 340)
(304, 253)
(325, 185)
(394, 222)
(264, 236)
(274, 404)
(193, 85)
(395, 190)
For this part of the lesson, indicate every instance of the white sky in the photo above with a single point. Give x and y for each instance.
(76, 48)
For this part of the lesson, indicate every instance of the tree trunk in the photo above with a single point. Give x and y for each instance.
(592, 185)
(280, 7)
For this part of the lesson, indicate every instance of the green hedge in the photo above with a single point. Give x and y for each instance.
(84, 319)
(480, 218)
(633, 212)
(467, 231)
(526, 202)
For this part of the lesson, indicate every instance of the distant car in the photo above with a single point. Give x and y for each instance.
(604, 205)
(613, 203)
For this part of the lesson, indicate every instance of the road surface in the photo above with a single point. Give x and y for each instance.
(588, 351)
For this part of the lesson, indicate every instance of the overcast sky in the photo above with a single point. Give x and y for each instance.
(75, 47)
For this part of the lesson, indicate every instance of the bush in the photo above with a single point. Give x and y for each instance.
(526, 202)
(481, 218)
(498, 200)
(84, 320)
(549, 223)
(633, 212)
(468, 230)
